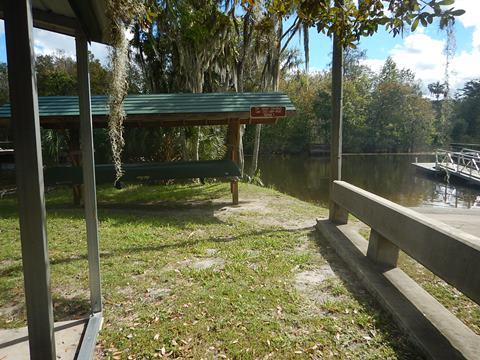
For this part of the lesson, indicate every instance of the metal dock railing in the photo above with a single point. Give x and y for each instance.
(464, 164)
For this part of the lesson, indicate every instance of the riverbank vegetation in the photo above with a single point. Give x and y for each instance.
(218, 47)
(384, 112)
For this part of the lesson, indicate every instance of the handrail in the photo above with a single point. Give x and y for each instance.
(449, 253)
(465, 163)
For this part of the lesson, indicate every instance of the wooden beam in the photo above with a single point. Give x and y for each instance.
(149, 120)
(88, 164)
(233, 140)
(28, 164)
(52, 22)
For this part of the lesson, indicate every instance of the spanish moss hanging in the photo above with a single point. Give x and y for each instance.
(121, 13)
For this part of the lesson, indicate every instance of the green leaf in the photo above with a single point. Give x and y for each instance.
(457, 12)
(446, 2)
(415, 24)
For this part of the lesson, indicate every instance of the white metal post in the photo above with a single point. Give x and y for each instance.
(88, 164)
(29, 171)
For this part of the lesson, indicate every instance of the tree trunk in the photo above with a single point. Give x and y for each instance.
(75, 159)
(196, 154)
(275, 84)
(336, 214)
(256, 149)
(183, 143)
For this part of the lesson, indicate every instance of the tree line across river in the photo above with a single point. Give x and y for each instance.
(383, 112)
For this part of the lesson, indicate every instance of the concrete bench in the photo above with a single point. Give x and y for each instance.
(449, 253)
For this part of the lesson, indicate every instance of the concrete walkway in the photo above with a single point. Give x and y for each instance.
(14, 342)
(467, 220)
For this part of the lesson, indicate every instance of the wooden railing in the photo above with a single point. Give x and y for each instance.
(449, 253)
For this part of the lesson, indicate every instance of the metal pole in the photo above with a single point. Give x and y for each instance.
(29, 172)
(88, 164)
(336, 214)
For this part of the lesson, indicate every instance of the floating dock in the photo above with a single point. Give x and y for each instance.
(463, 164)
(427, 167)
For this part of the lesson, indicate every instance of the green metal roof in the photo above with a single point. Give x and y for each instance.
(64, 106)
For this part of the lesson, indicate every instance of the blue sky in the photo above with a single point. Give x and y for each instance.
(421, 51)
(380, 45)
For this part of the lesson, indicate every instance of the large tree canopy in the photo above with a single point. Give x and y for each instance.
(351, 21)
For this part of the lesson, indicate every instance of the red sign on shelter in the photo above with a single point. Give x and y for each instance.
(262, 112)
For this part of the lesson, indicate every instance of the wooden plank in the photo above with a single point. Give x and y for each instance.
(100, 121)
(88, 165)
(448, 252)
(28, 162)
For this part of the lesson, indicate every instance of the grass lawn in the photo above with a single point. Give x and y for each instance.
(187, 275)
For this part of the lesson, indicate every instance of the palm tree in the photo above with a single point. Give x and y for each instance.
(437, 89)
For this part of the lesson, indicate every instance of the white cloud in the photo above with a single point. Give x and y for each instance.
(374, 64)
(425, 55)
(47, 42)
(470, 18)
(418, 52)
(472, 9)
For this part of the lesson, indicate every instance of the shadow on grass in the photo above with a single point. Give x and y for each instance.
(77, 307)
(149, 248)
(70, 308)
(395, 337)
(147, 197)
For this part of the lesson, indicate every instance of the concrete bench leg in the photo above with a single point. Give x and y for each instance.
(382, 251)
(338, 215)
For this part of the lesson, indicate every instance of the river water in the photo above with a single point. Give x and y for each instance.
(390, 176)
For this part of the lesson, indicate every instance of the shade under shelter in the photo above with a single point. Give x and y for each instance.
(162, 110)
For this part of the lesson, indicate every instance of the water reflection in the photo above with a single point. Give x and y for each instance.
(390, 176)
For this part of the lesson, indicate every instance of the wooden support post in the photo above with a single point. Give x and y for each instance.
(74, 154)
(29, 171)
(88, 164)
(233, 135)
(381, 250)
(336, 214)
